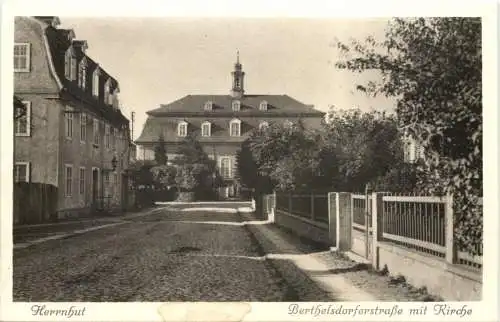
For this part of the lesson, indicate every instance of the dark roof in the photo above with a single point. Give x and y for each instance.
(222, 104)
(167, 127)
(59, 42)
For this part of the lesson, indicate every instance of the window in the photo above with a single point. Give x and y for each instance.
(69, 123)
(83, 127)
(95, 83)
(225, 167)
(106, 136)
(22, 125)
(106, 182)
(107, 92)
(69, 180)
(113, 138)
(234, 128)
(115, 182)
(70, 64)
(208, 106)
(96, 131)
(263, 106)
(236, 105)
(263, 125)
(82, 181)
(22, 172)
(182, 129)
(205, 129)
(22, 57)
(82, 74)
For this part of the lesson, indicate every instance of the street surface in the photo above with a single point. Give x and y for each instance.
(150, 258)
(187, 253)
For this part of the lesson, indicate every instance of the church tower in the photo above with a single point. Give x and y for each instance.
(238, 79)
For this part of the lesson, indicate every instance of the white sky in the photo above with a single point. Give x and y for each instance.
(158, 60)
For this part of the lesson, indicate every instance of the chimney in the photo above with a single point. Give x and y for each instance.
(50, 20)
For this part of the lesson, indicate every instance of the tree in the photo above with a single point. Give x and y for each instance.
(432, 66)
(360, 147)
(161, 151)
(196, 172)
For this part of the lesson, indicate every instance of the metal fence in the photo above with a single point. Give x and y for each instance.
(420, 223)
(313, 206)
(358, 208)
(416, 222)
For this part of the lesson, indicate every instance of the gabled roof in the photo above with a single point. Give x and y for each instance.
(277, 105)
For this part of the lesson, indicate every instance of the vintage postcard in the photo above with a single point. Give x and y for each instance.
(214, 161)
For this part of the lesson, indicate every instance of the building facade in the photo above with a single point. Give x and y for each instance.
(74, 135)
(221, 123)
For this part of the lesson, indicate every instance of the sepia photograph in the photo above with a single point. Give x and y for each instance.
(245, 159)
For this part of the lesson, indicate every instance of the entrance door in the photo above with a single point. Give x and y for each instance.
(124, 198)
(95, 182)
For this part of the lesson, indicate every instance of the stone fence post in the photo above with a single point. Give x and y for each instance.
(343, 221)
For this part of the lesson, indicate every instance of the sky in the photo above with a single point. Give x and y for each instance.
(159, 60)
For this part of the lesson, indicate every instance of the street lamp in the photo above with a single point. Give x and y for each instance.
(114, 163)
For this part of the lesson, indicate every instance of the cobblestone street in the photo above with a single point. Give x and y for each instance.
(171, 255)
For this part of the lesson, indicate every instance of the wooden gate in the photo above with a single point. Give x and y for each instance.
(361, 224)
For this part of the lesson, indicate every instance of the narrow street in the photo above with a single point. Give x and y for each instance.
(197, 252)
(158, 257)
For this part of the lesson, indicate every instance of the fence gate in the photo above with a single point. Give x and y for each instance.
(361, 224)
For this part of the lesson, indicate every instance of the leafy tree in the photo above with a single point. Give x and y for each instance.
(164, 175)
(196, 172)
(359, 147)
(161, 151)
(432, 66)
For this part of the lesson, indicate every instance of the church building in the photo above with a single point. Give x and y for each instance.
(221, 123)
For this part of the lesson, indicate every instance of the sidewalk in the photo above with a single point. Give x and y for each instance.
(318, 274)
(27, 235)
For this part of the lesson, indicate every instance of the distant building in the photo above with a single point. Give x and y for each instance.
(74, 135)
(221, 123)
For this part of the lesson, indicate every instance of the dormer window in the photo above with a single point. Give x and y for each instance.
(263, 125)
(107, 91)
(206, 129)
(95, 82)
(235, 128)
(82, 73)
(70, 64)
(208, 106)
(236, 105)
(182, 129)
(263, 106)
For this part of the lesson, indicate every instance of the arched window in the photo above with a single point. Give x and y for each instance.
(263, 106)
(182, 129)
(235, 127)
(236, 105)
(206, 129)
